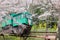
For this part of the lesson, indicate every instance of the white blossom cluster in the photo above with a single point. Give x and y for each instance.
(7, 6)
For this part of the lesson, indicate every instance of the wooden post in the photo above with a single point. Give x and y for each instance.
(59, 27)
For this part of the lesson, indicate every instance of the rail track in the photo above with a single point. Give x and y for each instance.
(45, 35)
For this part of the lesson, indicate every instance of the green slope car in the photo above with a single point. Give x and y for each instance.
(21, 22)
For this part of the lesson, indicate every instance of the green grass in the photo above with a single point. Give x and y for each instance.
(18, 38)
(43, 29)
(35, 38)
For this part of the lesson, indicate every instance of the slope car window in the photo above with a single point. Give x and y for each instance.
(13, 19)
(29, 16)
(15, 23)
(4, 22)
(8, 19)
